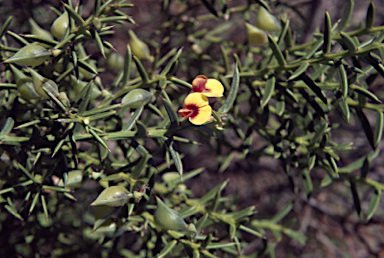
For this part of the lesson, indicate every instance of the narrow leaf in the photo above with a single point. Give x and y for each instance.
(276, 51)
(373, 203)
(347, 14)
(378, 128)
(370, 16)
(168, 67)
(171, 113)
(312, 85)
(366, 126)
(8, 126)
(167, 249)
(232, 92)
(301, 69)
(269, 89)
(327, 34)
(176, 158)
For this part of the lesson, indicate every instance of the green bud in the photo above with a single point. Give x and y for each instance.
(40, 32)
(114, 196)
(74, 179)
(31, 55)
(60, 26)
(115, 61)
(136, 98)
(39, 82)
(266, 21)
(168, 218)
(139, 48)
(255, 35)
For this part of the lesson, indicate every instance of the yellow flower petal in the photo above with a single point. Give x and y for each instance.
(214, 88)
(197, 99)
(202, 116)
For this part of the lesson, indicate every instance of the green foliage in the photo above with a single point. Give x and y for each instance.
(71, 137)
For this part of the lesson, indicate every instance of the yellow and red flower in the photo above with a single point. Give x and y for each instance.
(196, 109)
(208, 87)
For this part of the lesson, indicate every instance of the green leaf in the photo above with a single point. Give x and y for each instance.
(282, 213)
(373, 203)
(301, 69)
(366, 126)
(85, 96)
(167, 249)
(343, 80)
(13, 211)
(127, 66)
(8, 126)
(276, 51)
(327, 34)
(74, 15)
(343, 104)
(168, 67)
(140, 69)
(307, 182)
(173, 117)
(99, 43)
(347, 14)
(232, 92)
(133, 119)
(269, 89)
(5, 26)
(378, 128)
(348, 41)
(314, 48)
(356, 199)
(370, 15)
(176, 158)
(312, 85)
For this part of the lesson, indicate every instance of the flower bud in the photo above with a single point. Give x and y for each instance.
(136, 98)
(114, 196)
(40, 32)
(139, 48)
(255, 35)
(39, 82)
(31, 55)
(168, 218)
(266, 21)
(60, 26)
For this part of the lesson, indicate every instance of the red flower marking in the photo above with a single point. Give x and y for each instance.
(190, 110)
(198, 84)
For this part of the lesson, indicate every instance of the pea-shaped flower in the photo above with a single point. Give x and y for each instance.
(168, 218)
(255, 35)
(208, 87)
(114, 196)
(266, 21)
(196, 109)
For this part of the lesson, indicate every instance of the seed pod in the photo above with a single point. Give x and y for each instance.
(26, 89)
(114, 196)
(60, 25)
(40, 32)
(112, 229)
(115, 61)
(78, 86)
(139, 48)
(39, 82)
(136, 98)
(74, 179)
(102, 213)
(168, 218)
(266, 21)
(255, 35)
(31, 55)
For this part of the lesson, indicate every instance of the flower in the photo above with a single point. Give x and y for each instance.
(208, 87)
(196, 108)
